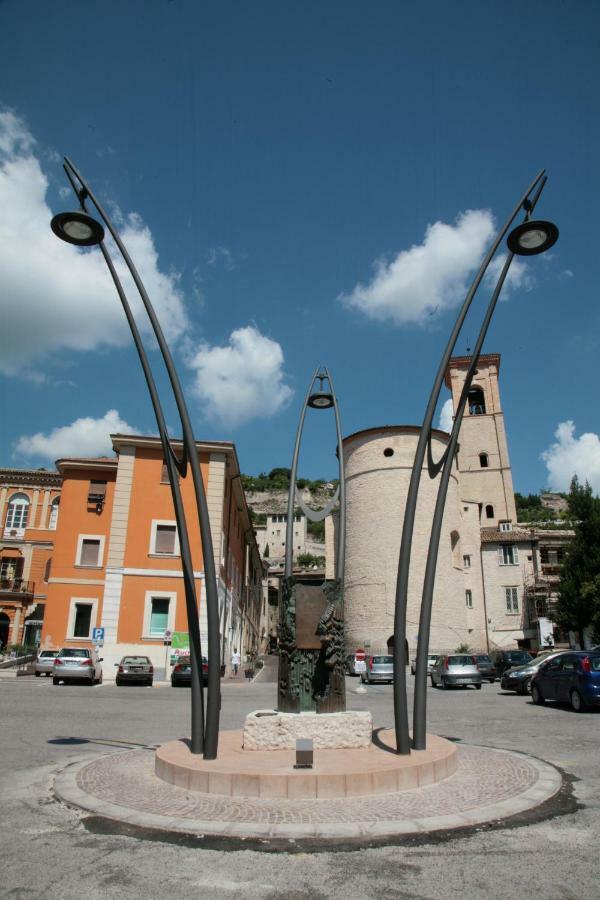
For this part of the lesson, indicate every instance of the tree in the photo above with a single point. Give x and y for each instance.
(579, 588)
(280, 474)
(307, 559)
(590, 593)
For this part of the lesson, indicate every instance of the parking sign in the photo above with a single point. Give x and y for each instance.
(98, 634)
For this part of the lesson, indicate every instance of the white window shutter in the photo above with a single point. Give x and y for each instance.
(500, 557)
(516, 554)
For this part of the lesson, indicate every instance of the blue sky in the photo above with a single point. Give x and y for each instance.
(301, 184)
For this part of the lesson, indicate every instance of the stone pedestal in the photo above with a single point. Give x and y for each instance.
(269, 730)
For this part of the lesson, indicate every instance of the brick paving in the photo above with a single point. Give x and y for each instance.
(485, 778)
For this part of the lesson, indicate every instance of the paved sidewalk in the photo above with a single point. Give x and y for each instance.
(489, 785)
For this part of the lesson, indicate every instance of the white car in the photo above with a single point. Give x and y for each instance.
(77, 663)
(431, 658)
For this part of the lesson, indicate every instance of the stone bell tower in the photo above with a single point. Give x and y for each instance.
(483, 461)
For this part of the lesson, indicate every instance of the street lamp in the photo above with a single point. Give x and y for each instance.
(77, 228)
(83, 230)
(529, 238)
(311, 634)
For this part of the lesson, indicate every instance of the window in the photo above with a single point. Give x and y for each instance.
(97, 492)
(82, 618)
(512, 599)
(53, 521)
(159, 614)
(505, 526)
(455, 548)
(163, 538)
(164, 474)
(11, 569)
(469, 599)
(90, 549)
(467, 561)
(489, 511)
(508, 555)
(483, 460)
(18, 510)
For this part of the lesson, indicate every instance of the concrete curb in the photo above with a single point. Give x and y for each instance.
(548, 784)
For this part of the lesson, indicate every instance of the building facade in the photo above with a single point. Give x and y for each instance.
(271, 536)
(29, 516)
(486, 562)
(116, 562)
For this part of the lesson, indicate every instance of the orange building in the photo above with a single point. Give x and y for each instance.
(29, 507)
(116, 562)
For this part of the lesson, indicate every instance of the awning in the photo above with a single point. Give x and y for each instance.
(10, 553)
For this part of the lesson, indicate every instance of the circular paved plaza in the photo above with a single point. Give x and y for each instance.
(488, 785)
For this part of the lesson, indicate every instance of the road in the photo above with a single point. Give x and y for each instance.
(50, 851)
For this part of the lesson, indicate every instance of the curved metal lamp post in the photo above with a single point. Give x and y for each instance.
(318, 400)
(81, 229)
(529, 238)
(311, 630)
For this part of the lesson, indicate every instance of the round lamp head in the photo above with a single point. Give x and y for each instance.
(77, 228)
(532, 237)
(320, 400)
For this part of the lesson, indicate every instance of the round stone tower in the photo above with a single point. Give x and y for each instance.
(378, 463)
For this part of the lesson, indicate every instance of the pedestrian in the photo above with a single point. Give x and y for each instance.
(235, 661)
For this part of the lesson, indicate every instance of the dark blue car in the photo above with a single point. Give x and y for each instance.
(572, 677)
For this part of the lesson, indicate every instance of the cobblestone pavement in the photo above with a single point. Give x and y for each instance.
(485, 778)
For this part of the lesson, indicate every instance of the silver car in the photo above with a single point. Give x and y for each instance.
(44, 664)
(455, 669)
(74, 663)
(379, 668)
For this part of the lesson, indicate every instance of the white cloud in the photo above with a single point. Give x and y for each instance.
(83, 437)
(446, 416)
(431, 277)
(56, 297)
(518, 278)
(220, 256)
(572, 455)
(241, 381)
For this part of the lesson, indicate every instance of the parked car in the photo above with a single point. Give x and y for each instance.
(572, 677)
(135, 670)
(379, 668)
(73, 663)
(519, 677)
(349, 664)
(456, 669)
(181, 673)
(431, 658)
(508, 659)
(484, 663)
(44, 664)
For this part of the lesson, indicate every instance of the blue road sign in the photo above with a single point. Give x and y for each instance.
(98, 634)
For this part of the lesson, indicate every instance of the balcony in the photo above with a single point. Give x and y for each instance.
(551, 570)
(16, 586)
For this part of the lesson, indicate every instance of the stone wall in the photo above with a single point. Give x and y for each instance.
(378, 467)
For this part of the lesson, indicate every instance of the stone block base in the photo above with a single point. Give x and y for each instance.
(266, 729)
